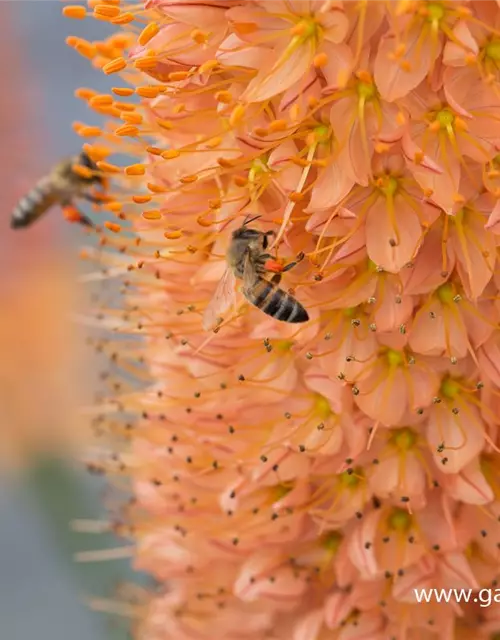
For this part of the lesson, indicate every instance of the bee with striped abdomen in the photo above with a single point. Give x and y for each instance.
(61, 186)
(249, 261)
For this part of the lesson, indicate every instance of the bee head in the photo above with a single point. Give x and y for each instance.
(86, 161)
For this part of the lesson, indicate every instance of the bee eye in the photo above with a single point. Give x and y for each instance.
(265, 242)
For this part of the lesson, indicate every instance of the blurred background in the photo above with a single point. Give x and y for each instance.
(43, 487)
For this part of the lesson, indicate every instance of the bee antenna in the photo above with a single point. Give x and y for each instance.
(248, 221)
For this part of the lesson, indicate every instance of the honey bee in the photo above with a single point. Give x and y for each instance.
(60, 186)
(248, 261)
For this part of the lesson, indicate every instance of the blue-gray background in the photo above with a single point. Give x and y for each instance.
(40, 587)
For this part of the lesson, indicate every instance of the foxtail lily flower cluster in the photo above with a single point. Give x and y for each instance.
(298, 482)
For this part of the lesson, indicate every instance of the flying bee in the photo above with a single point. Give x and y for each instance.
(61, 186)
(248, 260)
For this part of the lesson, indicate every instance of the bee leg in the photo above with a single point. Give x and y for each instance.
(91, 198)
(72, 214)
(276, 279)
(293, 264)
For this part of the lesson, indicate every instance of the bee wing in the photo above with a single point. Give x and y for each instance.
(222, 299)
(250, 274)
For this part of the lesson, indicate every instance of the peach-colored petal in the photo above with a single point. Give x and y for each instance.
(393, 233)
(361, 554)
(309, 626)
(283, 70)
(386, 401)
(331, 187)
(393, 80)
(395, 475)
(338, 68)
(494, 219)
(454, 54)
(336, 608)
(469, 485)
(233, 51)
(462, 439)
(489, 360)
(456, 573)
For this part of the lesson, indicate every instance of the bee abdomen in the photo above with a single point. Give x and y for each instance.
(33, 205)
(278, 303)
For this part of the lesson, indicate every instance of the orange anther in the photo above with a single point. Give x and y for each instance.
(127, 130)
(84, 94)
(320, 60)
(294, 111)
(147, 92)
(96, 151)
(224, 96)
(89, 132)
(240, 181)
(106, 11)
(188, 179)
(122, 91)
(225, 163)
(133, 118)
(135, 170)
(164, 124)
(152, 214)
(154, 151)
(118, 64)
(125, 106)
(203, 223)
(364, 76)
(83, 172)
(100, 100)
(74, 11)
(155, 188)
(295, 196)
(209, 65)
(236, 115)
(141, 199)
(299, 29)
(112, 226)
(107, 167)
(113, 206)
(214, 203)
(213, 143)
(177, 76)
(173, 235)
(84, 48)
(148, 62)
(199, 36)
(278, 125)
(123, 18)
(170, 154)
(147, 33)
(260, 132)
